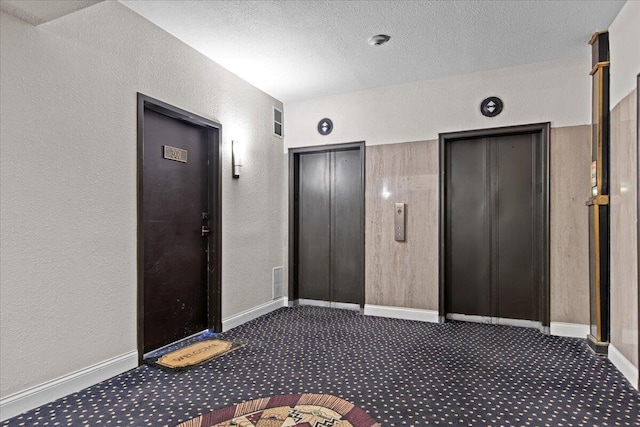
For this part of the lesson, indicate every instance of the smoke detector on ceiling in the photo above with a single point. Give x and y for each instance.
(378, 40)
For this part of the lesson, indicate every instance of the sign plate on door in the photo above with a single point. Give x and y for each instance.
(173, 153)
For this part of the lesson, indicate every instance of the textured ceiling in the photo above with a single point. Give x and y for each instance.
(37, 12)
(296, 50)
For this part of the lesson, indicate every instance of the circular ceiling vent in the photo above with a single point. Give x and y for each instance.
(379, 40)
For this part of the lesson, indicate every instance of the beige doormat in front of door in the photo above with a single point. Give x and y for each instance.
(195, 354)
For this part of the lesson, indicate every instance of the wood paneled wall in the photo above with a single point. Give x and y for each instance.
(405, 274)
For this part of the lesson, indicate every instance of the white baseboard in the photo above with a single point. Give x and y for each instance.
(624, 365)
(401, 313)
(572, 330)
(49, 391)
(252, 313)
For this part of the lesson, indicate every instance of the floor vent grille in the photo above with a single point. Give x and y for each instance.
(278, 283)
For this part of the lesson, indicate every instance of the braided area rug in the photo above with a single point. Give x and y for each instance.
(308, 410)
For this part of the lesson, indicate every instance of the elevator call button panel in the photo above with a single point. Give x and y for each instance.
(399, 223)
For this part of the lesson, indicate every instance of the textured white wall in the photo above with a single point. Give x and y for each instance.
(557, 91)
(68, 184)
(624, 47)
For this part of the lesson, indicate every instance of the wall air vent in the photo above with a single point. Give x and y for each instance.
(278, 282)
(277, 122)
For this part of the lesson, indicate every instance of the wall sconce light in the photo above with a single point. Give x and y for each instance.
(236, 158)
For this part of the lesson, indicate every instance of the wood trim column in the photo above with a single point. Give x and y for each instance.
(599, 248)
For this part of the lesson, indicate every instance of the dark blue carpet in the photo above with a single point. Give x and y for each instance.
(402, 373)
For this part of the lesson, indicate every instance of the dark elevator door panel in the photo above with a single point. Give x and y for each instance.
(493, 226)
(347, 260)
(468, 237)
(175, 259)
(514, 193)
(314, 227)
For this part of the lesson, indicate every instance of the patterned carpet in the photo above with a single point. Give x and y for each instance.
(402, 373)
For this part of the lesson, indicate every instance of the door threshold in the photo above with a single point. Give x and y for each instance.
(328, 304)
(198, 336)
(502, 321)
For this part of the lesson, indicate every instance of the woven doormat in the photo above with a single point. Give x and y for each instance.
(194, 354)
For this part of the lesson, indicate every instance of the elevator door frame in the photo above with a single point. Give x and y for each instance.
(543, 129)
(294, 156)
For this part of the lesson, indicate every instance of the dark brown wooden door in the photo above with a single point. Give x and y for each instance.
(175, 208)
(493, 227)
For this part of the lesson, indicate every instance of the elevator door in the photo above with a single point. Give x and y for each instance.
(330, 258)
(493, 227)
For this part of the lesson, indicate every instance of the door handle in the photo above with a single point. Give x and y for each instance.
(205, 230)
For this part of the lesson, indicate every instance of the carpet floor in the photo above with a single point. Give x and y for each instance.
(403, 373)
